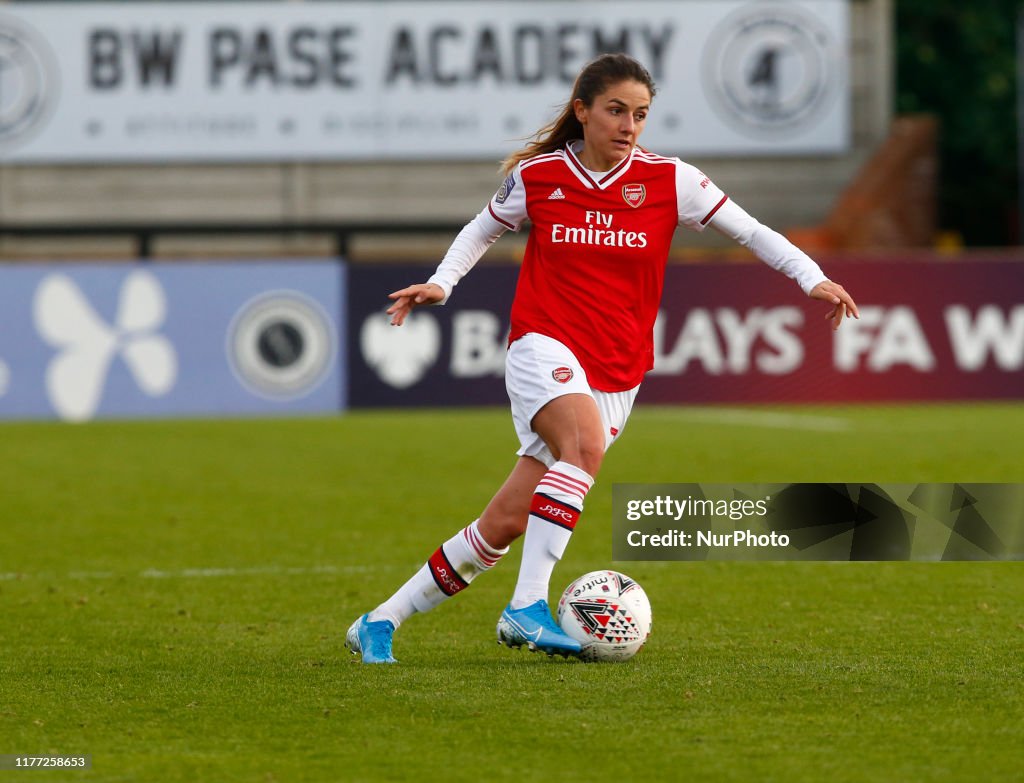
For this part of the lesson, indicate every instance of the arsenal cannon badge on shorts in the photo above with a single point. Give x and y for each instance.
(562, 374)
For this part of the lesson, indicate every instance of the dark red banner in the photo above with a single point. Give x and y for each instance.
(930, 329)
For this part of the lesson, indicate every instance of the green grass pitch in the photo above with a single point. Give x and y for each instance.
(174, 596)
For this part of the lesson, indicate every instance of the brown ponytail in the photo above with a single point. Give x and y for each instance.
(596, 77)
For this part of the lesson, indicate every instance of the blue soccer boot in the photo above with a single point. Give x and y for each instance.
(533, 626)
(371, 640)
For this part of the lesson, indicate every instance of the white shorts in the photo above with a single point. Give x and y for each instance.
(537, 370)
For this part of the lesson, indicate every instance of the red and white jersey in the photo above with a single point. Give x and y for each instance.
(594, 268)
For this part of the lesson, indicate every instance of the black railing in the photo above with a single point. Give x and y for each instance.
(145, 233)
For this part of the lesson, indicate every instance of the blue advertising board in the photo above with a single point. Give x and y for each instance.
(452, 355)
(83, 341)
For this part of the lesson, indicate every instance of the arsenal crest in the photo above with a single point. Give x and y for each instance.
(634, 195)
(562, 374)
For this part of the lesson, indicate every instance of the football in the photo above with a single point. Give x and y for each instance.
(608, 613)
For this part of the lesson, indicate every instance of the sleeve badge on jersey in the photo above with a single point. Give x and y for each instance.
(634, 195)
(505, 189)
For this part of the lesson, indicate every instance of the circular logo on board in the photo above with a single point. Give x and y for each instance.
(767, 69)
(28, 82)
(281, 345)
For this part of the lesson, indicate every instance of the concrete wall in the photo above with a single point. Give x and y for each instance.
(781, 192)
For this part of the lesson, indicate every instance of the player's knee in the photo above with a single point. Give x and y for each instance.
(587, 454)
(591, 458)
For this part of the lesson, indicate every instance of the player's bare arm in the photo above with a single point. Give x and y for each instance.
(413, 296)
(829, 291)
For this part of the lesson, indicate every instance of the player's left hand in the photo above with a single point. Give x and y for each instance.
(844, 306)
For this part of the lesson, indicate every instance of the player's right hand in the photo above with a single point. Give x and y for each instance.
(413, 296)
(842, 303)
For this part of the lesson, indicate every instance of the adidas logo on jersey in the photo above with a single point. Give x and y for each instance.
(556, 194)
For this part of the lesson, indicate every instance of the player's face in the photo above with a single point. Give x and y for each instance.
(612, 123)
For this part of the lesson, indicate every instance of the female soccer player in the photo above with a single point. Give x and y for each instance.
(603, 212)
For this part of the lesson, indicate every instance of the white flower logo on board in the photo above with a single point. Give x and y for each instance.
(86, 344)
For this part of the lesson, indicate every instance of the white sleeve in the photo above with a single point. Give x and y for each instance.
(506, 210)
(467, 248)
(770, 246)
(697, 197)
(508, 205)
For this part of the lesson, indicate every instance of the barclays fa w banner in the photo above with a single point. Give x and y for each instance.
(345, 81)
(86, 341)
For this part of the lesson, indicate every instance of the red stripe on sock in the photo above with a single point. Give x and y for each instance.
(446, 577)
(561, 487)
(583, 486)
(476, 544)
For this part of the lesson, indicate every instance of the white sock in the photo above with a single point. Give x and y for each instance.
(456, 563)
(554, 511)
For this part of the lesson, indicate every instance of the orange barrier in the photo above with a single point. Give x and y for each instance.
(892, 201)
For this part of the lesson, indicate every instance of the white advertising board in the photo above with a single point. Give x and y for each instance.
(86, 82)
